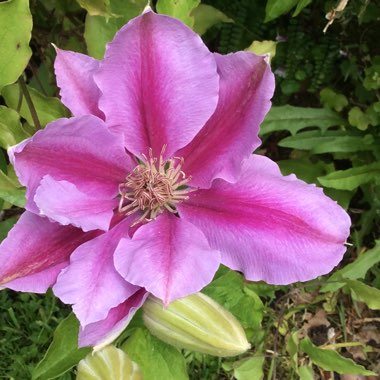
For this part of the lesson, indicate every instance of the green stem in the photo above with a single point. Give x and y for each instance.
(342, 345)
(19, 103)
(29, 102)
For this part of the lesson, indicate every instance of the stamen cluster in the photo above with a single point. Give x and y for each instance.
(154, 186)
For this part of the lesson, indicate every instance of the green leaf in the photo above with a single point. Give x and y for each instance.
(276, 8)
(205, 16)
(249, 369)
(3, 162)
(304, 169)
(355, 270)
(306, 373)
(11, 191)
(293, 119)
(373, 114)
(301, 5)
(6, 226)
(11, 130)
(343, 197)
(48, 109)
(157, 360)
(364, 293)
(15, 32)
(263, 48)
(329, 142)
(292, 348)
(333, 100)
(357, 118)
(350, 179)
(309, 172)
(344, 144)
(109, 363)
(372, 76)
(99, 31)
(63, 353)
(180, 9)
(96, 7)
(330, 360)
(231, 291)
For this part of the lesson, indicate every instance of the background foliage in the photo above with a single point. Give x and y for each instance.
(324, 127)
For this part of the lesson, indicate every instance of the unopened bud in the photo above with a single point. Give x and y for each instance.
(196, 323)
(109, 363)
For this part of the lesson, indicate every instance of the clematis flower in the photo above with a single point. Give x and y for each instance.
(152, 184)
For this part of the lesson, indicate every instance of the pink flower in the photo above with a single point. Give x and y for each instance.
(151, 185)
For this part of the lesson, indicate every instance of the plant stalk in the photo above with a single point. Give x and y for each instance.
(29, 102)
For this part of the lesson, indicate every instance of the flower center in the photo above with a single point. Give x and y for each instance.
(154, 186)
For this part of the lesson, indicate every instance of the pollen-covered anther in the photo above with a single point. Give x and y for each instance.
(153, 186)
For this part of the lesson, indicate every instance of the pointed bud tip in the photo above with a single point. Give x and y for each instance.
(147, 9)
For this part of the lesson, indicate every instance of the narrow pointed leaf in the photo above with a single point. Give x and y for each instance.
(350, 179)
(293, 119)
(206, 16)
(305, 373)
(355, 270)
(364, 293)
(63, 353)
(276, 8)
(331, 361)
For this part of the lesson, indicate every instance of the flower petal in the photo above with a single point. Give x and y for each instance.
(75, 77)
(35, 251)
(231, 134)
(272, 228)
(66, 204)
(80, 150)
(91, 282)
(101, 333)
(159, 84)
(169, 257)
(37, 282)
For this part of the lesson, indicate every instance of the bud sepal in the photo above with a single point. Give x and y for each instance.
(196, 323)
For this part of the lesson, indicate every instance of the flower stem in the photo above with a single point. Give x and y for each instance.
(29, 102)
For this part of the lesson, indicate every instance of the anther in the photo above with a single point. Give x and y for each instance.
(155, 185)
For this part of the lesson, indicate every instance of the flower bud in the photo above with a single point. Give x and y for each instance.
(109, 363)
(196, 323)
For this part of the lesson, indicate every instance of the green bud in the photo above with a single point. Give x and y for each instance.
(196, 323)
(109, 363)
